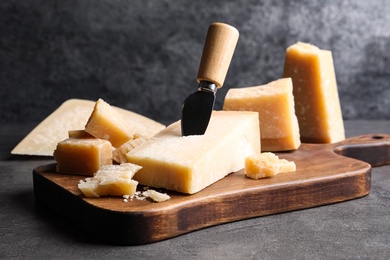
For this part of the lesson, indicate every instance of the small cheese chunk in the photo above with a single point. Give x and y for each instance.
(114, 180)
(107, 123)
(189, 164)
(317, 102)
(156, 196)
(266, 165)
(82, 156)
(119, 154)
(74, 114)
(275, 104)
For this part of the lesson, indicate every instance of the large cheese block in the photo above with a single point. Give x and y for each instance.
(82, 156)
(190, 163)
(317, 102)
(275, 104)
(73, 115)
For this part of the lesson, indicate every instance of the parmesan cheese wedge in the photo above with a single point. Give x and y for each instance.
(317, 102)
(189, 164)
(107, 123)
(72, 115)
(275, 104)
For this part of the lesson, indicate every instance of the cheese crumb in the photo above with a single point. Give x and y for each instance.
(266, 165)
(156, 196)
(147, 193)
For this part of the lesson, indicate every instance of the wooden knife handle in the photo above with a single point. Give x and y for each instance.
(218, 51)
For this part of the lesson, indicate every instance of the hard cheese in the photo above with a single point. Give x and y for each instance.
(119, 154)
(115, 180)
(79, 134)
(83, 156)
(72, 115)
(189, 164)
(275, 104)
(317, 102)
(266, 165)
(107, 123)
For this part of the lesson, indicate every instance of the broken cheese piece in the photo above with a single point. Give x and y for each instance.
(156, 196)
(107, 123)
(119, 154)
(73, 114)
(317, 102)
(275, 104)
(189, 164)
(114, 180)
(266, 165)
(83, 156)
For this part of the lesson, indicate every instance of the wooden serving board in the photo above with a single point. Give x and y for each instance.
(325, 174)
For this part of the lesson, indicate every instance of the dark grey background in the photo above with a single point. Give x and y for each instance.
(143, 55)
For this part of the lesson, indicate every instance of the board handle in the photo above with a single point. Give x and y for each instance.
(373, 149)
(217, 54)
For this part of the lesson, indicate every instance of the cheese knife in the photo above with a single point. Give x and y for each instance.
(220, 43)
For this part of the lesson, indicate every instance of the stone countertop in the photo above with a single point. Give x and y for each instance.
(358, 228)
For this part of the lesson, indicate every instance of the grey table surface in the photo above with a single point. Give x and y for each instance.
(355, 229)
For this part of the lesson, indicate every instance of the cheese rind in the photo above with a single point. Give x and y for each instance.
(107, 123)
(189, 164)
(266, 165)
(83, 156)
(316, 97)
(114, 180)
(73, 114)
(275, 104)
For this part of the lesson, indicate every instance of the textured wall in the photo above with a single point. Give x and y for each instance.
(143, 55)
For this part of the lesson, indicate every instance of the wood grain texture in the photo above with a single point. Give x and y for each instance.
(324, 175)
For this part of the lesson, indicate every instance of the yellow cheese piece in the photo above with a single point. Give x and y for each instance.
(72, 115)
(275, 104)
(82, 156)
(119, 154)
(189, 164)
(317, 102)
(266, 165)
(114, 180)
(79, 134)
(107, 123)
(156, 196)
